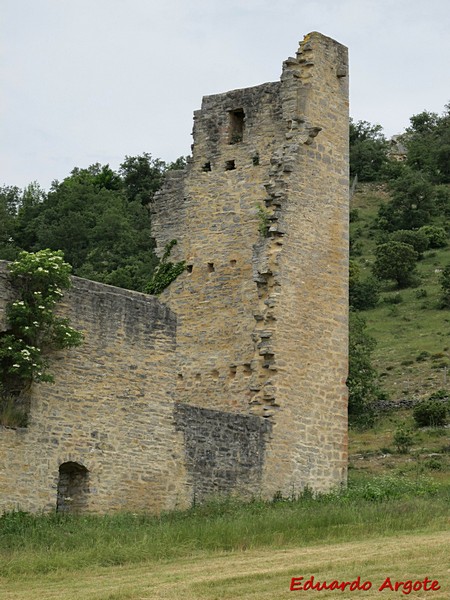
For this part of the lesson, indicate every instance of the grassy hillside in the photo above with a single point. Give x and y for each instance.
(412, 333)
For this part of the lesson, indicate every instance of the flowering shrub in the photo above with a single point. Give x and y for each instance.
(38, 280)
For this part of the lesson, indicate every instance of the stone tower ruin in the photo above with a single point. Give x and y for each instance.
(233, 380)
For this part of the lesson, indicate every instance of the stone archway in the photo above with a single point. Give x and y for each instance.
(73, 489)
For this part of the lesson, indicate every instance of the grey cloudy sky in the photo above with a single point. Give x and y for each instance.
(85, 81)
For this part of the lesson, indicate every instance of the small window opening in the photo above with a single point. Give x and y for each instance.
(206, 167)
(198, 376)
(211, 268)
(233, 262)
(255, 160)
(233, 370)
(247, 370)
(230, 165)
(236, 128)
(189, 268)
(180, 376)
(73, 490)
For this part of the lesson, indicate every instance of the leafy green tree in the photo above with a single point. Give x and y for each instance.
(437, 236)
(142, 176)
(428, 144)
(103, 234)
(10, 198)
(362, 385)
(445, 287)
(412, 203)
(368, 150)
(417, 239)
(363, 293)
(397, 261)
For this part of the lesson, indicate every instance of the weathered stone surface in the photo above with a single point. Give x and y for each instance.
(234, 381)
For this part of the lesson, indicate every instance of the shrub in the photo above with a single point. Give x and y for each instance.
(403, 439)
(397, 261)
(445, 287)
(364, 294)
(38, 280)
(422, 356)
(165, 272)
(417, 239)
(436, 236)
(430, 413)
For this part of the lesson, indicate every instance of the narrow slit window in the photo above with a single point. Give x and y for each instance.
(211, 268)
(236, 126)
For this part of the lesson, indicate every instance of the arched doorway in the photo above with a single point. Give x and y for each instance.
(73, 490)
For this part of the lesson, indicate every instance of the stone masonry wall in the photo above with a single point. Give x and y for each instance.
(233, 381)
(263, 318)
(109, 410)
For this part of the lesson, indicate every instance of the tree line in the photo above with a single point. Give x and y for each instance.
(98, 217)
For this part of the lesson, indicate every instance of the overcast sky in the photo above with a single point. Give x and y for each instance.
(85, 81)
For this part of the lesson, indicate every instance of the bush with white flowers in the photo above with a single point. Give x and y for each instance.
(38, 280)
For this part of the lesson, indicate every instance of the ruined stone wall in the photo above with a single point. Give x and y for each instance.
(234, 380)
(263, 318)
(109, 410)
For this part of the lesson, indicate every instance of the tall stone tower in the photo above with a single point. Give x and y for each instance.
(261, 218)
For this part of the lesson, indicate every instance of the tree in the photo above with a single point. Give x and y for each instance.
(363, 293)
(428, 144)
(10, 198)
(368, 150)
(103, 234)
(417, 239)
(142, 176)
(445, 287)
(412, 203)
(397, 261)
(362, 387)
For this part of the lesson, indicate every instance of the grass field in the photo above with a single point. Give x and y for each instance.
(254, 574)
(381, 526)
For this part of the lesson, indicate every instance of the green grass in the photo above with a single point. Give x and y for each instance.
(416, 325)
(377, 507)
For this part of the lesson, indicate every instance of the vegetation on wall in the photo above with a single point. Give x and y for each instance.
(165, 272)
(38, 280)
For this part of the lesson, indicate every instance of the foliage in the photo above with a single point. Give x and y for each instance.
(361, 382)
(10, 197)
(431, 413)
(363, 294)
(397, 261)
(38, 280)
(437, 236)
(403, 439)
(417, 239)
(445, 287)
(412, 202)
(143, 176)
(428, 144)
(92, 217)
(37, 544)
(165, 272)
(263, 220)
(368, 150)
(11, 413)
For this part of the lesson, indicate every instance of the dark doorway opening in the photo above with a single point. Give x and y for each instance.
(73, 489)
